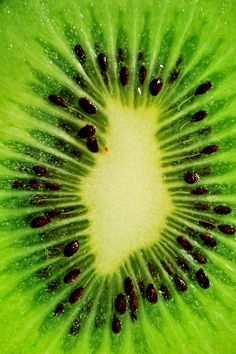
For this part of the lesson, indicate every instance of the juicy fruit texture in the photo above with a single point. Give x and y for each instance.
(117, 177)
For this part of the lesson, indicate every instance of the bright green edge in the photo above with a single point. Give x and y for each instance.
(176, 327)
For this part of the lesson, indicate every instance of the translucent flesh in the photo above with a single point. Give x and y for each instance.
(36, 46)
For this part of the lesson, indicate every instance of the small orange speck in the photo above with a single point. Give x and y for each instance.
(106, 149)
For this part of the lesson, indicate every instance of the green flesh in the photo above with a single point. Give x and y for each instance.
(122, 219)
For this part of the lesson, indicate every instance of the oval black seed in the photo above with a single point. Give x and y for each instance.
(198, 116)
(203, 88)
(87, 131)
(71, 248)
(16, 184)
(142, 74)
(202, 206)
(199, 258)
(87, 106)
(40, 221)
(202, 279)
(227, 229)
(191, 177)
(208, 240)
(180, 283)
(40, 170)
(103, 63)
(222, 209)
(182, 264)
(207, 224)
(184, 242)
(57, 100)
(165, 292)
(116, 325)
(59, 309)
(34, 184)
(155, 86)
(128, 285)
(52, 186)
(71, 276)
(52, 286)
(80, 53)
(141, 288)
(199, 191)
(53, 213)
(124, 75)
(141, 56)
(75, 328)
(174, 76)
(210, 149)
(133, 302)
(151, 294)
(121, 55)
(92, 144)
(76, 295)
(120, 303)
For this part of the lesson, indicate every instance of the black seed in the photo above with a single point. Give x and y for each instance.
(128, 285)
(75, 328)
(87, 131)
(191, 177)
(76, 153)
(120, 303)
(76, 295)
(208, 240)
(57, 100)
(202, 279)
(133, 316)
(80, 53)
(174, 76)
(87, 105)
(16, 184)
(203, 88)
(184, 242)
(71, 248)
(165, 292)
(198, 116)
(116, 325)
(151, 294)
(155, 86)
(142, 74)
(227, 229)
(52, 286)
(199, 258)
(222, 209)
(80, 80)
(52, 186)
(124, 75)
(207, 224)
(199, 191)
(71, 276)
(141, 56)
(182, 264)
(40, 170)
(102, 61)
(141, 288)
(133, 302)
(52, 213)
(34, 184)
(202, 206)
(180, 283)
(210, 149)
(40, 221)
(121, 55)
(59, 309)
(166, 267)
(92, 144)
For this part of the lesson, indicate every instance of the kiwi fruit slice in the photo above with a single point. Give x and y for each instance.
(117, 177)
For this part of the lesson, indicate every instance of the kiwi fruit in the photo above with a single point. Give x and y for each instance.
(117, 204)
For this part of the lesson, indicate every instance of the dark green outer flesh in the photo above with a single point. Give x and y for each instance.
(197, 321)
